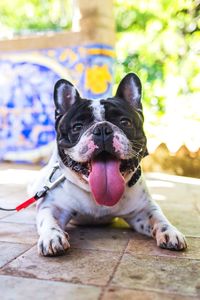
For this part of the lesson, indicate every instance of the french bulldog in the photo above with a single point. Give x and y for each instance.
(99, 147)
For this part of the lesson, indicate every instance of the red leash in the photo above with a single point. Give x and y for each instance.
(30, 201)
(26, 204)
(50, 185)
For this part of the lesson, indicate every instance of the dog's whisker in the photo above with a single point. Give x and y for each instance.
(138, 146)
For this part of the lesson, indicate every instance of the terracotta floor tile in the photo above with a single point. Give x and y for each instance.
(147, 246)
(26, 216)
(18, 233)
(9, 251)
(99, 238)
(167, 195)
(166, 191)
(158, 273)
(15, 288)
(77, 266)
(185, 219)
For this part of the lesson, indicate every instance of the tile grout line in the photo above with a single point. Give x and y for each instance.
(104, 288)
(31, 246)
(157, 291)
(53, 280)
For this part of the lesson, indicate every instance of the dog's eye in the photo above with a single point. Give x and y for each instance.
(125, 122)
(77, 127)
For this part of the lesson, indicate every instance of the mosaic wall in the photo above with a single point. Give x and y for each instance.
(26, 87)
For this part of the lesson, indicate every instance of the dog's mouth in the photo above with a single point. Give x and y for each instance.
(105, 175)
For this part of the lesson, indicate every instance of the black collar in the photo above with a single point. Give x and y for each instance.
(135, 177)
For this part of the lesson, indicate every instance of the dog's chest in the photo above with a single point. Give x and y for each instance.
(84, 206)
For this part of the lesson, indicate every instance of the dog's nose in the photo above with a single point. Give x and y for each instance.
(102, 131)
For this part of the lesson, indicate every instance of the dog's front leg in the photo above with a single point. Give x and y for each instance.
(53, 239)
(150, 220)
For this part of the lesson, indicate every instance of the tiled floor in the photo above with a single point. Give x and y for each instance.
(104, 262)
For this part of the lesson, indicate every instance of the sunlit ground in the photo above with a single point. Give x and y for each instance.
(14, 174)
(22, 176)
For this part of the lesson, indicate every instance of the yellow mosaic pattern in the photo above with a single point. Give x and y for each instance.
(97, 79)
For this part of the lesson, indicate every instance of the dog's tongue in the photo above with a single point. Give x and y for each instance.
(106, 182)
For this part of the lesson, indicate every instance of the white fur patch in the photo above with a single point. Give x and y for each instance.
(98, 111)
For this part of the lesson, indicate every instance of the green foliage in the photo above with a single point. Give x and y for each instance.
(159, 40)
(22, 16)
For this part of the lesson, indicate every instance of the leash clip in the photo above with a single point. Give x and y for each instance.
(41, 193)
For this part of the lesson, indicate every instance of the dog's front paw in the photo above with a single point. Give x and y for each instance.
(53, 242)
(168, 237)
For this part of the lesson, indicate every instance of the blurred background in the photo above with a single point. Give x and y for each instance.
(94, 45)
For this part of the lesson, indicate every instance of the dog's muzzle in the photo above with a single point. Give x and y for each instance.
(103, 139)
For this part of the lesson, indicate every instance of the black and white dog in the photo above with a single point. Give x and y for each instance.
(100, 144)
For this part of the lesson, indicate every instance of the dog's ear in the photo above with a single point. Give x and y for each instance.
(65, 95)
(130, 89)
